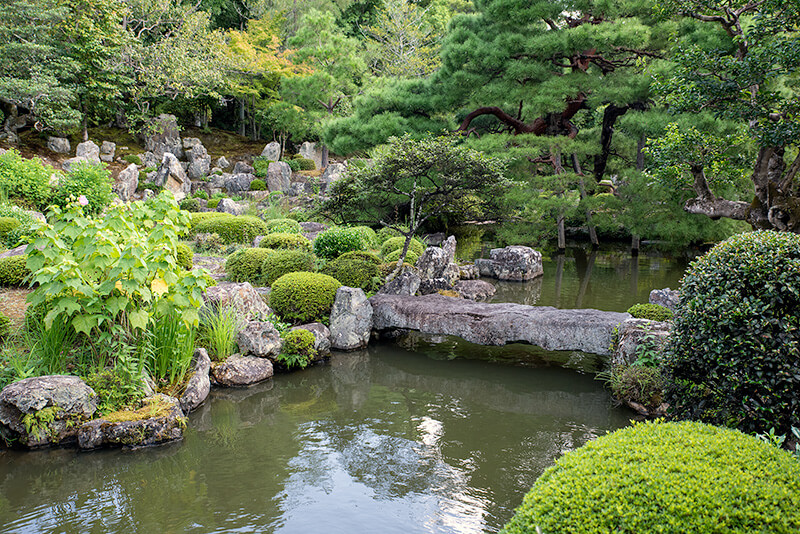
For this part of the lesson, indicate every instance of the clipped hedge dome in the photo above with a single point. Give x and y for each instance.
(232, 229)
(352, 272)
(666, 477)
(361, 255)
(245, 265)
(287, 226)
(286, 261)
(653, 312)
(338, 240)
(411, 256)
(303, 297)
(284, 240)
(396, 243)
(184, 256)
(734, 356)
(13, 271)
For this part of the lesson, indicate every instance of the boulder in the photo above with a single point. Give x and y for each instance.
(149, 160)
(279, 176)
(199, 161)
(240, 295)
(476, 290)
(199, 384)
(351, 319)
(636, 335)
(322, 336)
(223, 163)
(497, 324)
(191, 142)
(237, 184)
(332, 173)
(468, 272)
(259, 339)
(89, 151)
(170, 175)
(227, 205)
(52, 406)
(312, 229)
(164, 428)
(272, 151)
(59, 145)
(163, 137)
(310, 151)
(242, 167)
(669, 298)
(512, 263)
(434, 285)
(107, 149)
(69, 164)
(237, 371)
(127, 182)
(406, 283)
(18, 251)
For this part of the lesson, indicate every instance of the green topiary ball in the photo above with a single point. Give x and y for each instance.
(284, 226)
(285, 241)
(352, 272)
(411, 256)
(184, 255)
(387, 233)
(13, 271)
(734, 355)
(338, 240)
(232, 229)
(396, 243)
(653, 312)
(258, 185)
(7, 224)
(666, 477)
(213, 203)
(362, 255)
(245, 265)
(304, 297)
(298, 349)
(284, 262)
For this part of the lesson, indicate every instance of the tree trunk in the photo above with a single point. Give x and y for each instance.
(562, 240)
(324, 161)
(592, 230)
(634, 245)
(242, 122)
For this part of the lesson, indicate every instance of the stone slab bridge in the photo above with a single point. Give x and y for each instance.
(550, 328)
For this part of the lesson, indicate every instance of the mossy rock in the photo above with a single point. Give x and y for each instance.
(282, 262)
(352, 272)
(286, 241)
(284, 226)
(13, 271)
(232, 229)
(304, 297)
(245, 265)
(653, 312)
(396, 243)
(684, 477)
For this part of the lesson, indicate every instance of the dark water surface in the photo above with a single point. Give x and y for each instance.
(387, 440)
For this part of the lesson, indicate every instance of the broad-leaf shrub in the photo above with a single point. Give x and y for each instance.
(260, 167)
(232, 229)
(303, 297)
(653, 312)
(284, 262)
(114, 275)
(352, 272)
(25, 180)
(286, 241)
(90, 180)
(245, 265)
(13, 271)
(397, 243)
(286, 226)
(734, 356)
(666, 477)
(337, 240)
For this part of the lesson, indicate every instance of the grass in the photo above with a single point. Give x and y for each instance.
(219, 327)
(153, 407)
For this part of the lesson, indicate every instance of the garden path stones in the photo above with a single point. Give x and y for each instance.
(239, 371)
(137, 433)
(199, 384)
(259, 339)
(240, 295)
(512, 263)
(53, 404)
(351, 319)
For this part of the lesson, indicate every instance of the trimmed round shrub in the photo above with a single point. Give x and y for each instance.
(285, 241)
(7, 224)
(304, 164)
(304, 297)
(184, 255)
(13, 271)
(411, 256)
(734, 354)
(387, 233)
(283, 226)
(286, 261)
(258, 185)
(388, 268)
(362, 255)
(654, 312)
(352, 272)
(213, 203)
(369, 238)
(293, 164)
(337, 240)
(396, 243)
(298, 349)
(232, 229)
(666, 477)
(245, 265)
(197, 218)
(190, 204)
(132, 158)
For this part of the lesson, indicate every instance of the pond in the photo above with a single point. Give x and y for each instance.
(434, 440)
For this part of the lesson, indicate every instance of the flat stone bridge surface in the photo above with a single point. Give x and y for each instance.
(583, 330)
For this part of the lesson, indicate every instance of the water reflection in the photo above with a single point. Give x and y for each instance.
(381, 440)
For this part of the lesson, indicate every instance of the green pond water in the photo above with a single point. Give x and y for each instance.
(417, 435)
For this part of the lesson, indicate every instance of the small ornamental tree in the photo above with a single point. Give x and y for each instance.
(424, 177)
